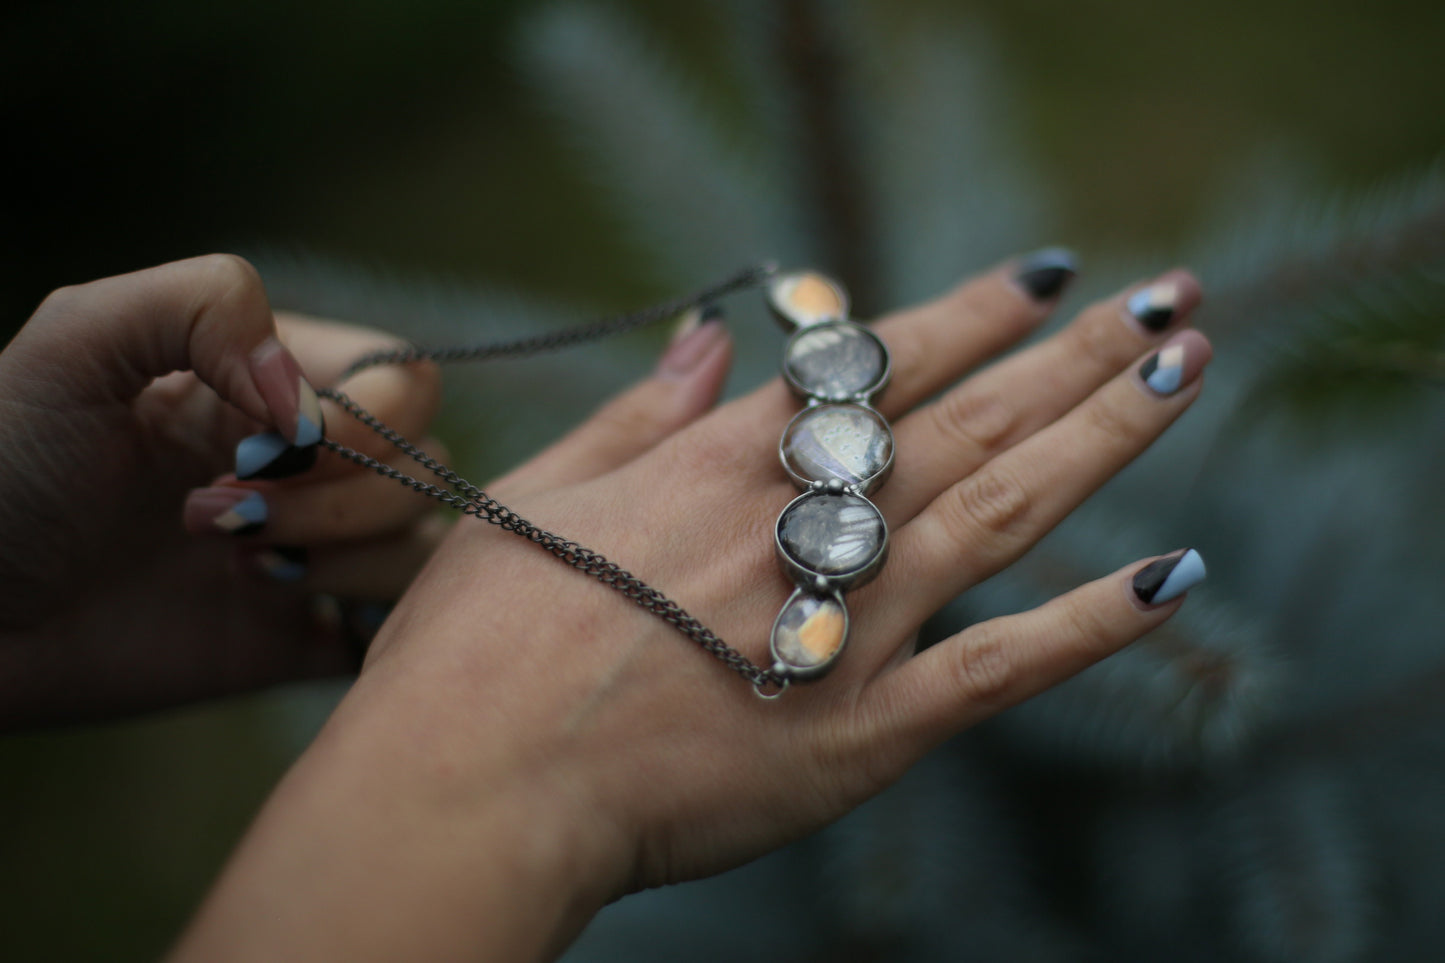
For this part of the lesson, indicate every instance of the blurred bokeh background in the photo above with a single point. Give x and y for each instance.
(1263, 783)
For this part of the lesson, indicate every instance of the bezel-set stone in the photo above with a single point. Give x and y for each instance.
(843, 442)
(840, 538)
(802, 298)
(831, 538)
(835, 361)
(809, 634)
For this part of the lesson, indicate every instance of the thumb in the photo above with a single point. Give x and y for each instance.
(107, 340)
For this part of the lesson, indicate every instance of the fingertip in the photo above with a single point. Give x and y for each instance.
(1166, 579)
(697, 336)
(292, 402)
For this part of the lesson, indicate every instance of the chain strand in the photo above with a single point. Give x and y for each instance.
(471, 500)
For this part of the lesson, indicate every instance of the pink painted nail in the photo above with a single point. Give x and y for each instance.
(229, 511)
(287, 393)
(695, 337)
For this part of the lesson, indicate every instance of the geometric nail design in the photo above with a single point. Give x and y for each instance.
(1165, 579)
(1044, 274)
(284, 563)
(1154, 306)
(692, 342)
(244, 517)
(1164, 371)
(268, 455)
(295, 409)
(310, 425)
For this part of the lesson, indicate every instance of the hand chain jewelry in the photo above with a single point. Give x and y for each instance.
(839, 448)
(814, 622)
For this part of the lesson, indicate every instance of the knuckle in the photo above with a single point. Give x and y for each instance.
(1098, 343)
(60, 302)
(993, 502)
(984, 670)
(981, 421)
(231, 273)
(1112, 424)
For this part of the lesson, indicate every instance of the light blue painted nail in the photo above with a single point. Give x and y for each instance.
(255, 452)
(252, 508)
(278, 566)
(308, 432)
(1139, 302)
(1188, 573)
(1165, 380)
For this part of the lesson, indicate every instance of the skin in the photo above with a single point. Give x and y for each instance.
(523, 745)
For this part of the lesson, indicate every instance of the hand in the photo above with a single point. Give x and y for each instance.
(116, 399)
(530, 744)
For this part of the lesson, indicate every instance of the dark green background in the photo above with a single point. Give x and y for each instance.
(399, 136)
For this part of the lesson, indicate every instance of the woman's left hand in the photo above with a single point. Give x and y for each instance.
(122, 403)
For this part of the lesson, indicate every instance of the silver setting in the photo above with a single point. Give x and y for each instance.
(845, 578)
(799, 299)
(859, 387)
(857, 482)
(829, 361)
(789, 669)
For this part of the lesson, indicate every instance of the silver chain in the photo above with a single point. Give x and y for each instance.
(471, 500)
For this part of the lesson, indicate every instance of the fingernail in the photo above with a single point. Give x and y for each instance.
(268, 455)
(1176, 364)
(284, 563)
(292, 400)
(696, 335)
(1154, 306)
(1043, 274)
(1165, 579)
(233, 511)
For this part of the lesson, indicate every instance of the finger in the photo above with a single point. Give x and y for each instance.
(208, 314)
(934, 344)
(995, 664)
(405, 397)
(685, 385)
(1004, 404)
(359, 505)
(377, 569)
(989, 519)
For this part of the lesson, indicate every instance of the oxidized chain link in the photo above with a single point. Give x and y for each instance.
(471, 500)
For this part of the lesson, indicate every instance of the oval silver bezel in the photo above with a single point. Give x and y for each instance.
(869, 484)
(803, 673)
(793, 321)
(822, 583)
(861, 397)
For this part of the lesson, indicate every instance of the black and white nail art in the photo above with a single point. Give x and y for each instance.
(269, 455)
(1165, 579)
(1164, 371)
(1154, 306)
(1045, 273)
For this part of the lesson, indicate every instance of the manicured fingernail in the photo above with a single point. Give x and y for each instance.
(1043, 274)
(1176, 364)
(292, 400)
(1165, 579)
(233, 511)
(1154, 306)
(696, 335)
(284, 563)
(268, 455)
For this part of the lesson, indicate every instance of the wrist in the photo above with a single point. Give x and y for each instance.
(396, 836)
